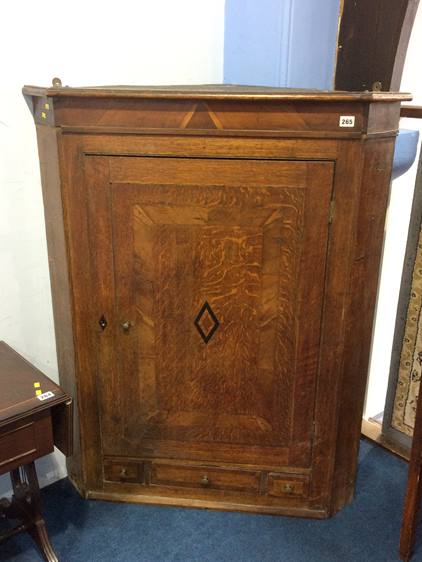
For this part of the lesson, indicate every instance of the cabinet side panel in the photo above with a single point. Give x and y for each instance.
(59, 275)
(346, 187)
(377, 160)
(85, 321)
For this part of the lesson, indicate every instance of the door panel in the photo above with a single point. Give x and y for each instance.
(209, 258)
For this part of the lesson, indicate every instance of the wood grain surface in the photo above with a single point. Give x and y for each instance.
(241, 245)
(215, 255)
(372, 43)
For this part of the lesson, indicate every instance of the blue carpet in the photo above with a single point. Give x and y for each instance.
(91, 531)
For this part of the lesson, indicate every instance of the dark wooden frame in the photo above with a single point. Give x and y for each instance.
(389, 433)
(372, 44)
(414, 481)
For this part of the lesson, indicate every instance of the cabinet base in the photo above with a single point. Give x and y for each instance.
(206, 504)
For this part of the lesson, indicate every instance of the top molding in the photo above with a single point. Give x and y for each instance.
(214, 92)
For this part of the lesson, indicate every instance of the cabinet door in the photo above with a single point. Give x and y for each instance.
(210, 276)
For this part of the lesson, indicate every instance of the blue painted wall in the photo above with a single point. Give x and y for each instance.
(288, 43)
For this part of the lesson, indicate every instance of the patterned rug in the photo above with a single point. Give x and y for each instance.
(410, 370)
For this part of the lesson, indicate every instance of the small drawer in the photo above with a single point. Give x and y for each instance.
(284, 485)
(121, 471)
(24, 441)
(204, 477)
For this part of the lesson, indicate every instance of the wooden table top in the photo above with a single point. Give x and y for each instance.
(23, 388)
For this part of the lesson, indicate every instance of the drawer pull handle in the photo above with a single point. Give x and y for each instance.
(123, 473)
(288, 488)
(205, 481)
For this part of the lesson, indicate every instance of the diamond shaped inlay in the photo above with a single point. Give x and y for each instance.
(206, 322)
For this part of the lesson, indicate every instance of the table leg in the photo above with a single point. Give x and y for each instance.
(26, 506)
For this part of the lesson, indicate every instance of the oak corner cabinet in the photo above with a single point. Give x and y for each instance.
(214, 255)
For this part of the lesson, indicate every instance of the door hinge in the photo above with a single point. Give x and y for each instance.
(331, 211)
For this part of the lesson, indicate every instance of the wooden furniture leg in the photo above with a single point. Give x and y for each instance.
(26, 507)
(413, 491)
